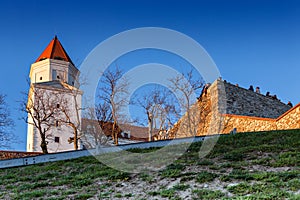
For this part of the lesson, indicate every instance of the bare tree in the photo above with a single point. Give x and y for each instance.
(42, 110)
(92, 128)
(187, 86)
(70, 108)
(158, 108)
(103, 112)
(6, 124)
(112, 90)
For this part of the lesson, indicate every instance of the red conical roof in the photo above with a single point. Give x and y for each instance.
(55, 51)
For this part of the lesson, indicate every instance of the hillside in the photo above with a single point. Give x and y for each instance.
(262, 165)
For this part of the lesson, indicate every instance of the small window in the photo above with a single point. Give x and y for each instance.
(56, 139)
(56, 123)
(57, 77)
(58, 58)
(72, 82)
(57, 105)
(41, 78)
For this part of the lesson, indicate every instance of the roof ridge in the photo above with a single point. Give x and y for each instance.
(53, 46)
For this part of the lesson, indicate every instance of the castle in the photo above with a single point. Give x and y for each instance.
(222, 108)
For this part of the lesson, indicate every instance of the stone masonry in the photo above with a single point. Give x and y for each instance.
(226, 108)
(244, 102)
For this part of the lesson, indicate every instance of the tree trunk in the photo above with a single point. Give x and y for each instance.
(75, 137)
(117, 139)
(44, 144)
(150, 126)
(115, 134)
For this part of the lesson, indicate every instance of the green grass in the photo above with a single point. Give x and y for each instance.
(204, 177)
(205, 162)
(207, 194)
(172, 171)
(261, 190)
(229, 162)
(181, 187)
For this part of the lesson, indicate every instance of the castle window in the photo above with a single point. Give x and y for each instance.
(56, 139)
(41, 78)
(54, 74)
(57, 105)
(57, 123)
(57, 77)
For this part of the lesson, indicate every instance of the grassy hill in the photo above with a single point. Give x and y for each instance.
(261, 165)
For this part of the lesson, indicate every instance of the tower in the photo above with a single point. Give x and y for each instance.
(54, 101)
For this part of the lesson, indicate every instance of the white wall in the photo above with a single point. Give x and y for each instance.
(62, 131)
(44, 69)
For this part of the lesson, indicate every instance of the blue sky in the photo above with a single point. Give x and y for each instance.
(252, 42)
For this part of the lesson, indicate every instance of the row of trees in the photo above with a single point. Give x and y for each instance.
(160, 105)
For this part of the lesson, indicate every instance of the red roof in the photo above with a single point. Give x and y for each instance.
(55, 51)
(137, 133)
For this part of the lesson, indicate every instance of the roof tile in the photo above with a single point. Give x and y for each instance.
(55, 51)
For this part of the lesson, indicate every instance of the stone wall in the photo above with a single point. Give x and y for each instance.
(199, 113)
(290, 119)
(16, 154)
(203, 116)
(226, 107)
(244, 102)
(247, 124)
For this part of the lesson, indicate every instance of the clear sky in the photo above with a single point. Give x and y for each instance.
(252, 42)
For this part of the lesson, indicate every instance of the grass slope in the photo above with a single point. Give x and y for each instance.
(261, 165)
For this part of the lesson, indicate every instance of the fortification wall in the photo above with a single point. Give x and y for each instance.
(203, 117)
(244, 102)
(290, 119)
(248, 111)
(226, 107)
(247, 124)
(196, 122)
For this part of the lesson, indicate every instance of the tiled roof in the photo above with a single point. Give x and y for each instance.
(136, 132)
(55, 51)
